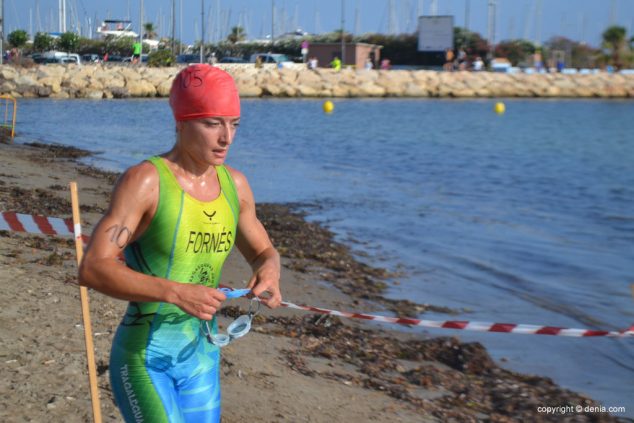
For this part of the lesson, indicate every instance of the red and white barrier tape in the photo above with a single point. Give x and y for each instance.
(467, 325)
(17, 222)
(10, 221)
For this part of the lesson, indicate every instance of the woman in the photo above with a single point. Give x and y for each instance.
(175, 217)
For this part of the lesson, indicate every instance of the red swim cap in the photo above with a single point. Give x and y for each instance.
(200, 91)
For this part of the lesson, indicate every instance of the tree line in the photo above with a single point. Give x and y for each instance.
(616, 50)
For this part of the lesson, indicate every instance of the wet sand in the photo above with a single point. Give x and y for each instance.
(293, 366)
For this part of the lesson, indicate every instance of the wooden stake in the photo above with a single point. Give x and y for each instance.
(85, 310)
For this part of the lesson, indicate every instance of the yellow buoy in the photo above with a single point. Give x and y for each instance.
(328, 106)
(499, 108)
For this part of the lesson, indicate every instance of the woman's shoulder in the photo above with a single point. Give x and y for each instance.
(141, 176)
(242, 185)
(237, 176)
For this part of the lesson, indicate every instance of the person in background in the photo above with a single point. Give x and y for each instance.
(478, 64)
(462, 59)
(449, 56)
(537, 61)
(137, 48)
(385, 64)
(175, 218)
(368, 64)
(336, 64)
(560, 64)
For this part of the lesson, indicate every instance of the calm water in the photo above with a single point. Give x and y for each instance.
(521, 218)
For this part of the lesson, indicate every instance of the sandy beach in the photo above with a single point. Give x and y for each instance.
(292, 367)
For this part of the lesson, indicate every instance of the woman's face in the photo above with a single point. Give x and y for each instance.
(207, 140)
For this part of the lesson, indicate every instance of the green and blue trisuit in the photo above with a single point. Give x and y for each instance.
(162, 369)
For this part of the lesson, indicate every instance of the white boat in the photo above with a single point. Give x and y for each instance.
(117, 28)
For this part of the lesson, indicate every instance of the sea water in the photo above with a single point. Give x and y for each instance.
(526, 217)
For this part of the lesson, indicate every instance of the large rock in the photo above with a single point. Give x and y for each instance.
(309, 78)
(248, 90)
(43, 91)
(157, 76)
(75, 84)
(52, 70)
(369, 89)
(271, 89)
(118, 92)
(288, 76)
(7, 87)
(339, 90)
(305, 90)
(163, 89)
(54, 83)
(140, 88)
(414, 89)
(60, 95)
(8, 73)
(94, 95)
(25, 80)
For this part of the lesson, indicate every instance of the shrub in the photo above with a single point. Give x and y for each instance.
(18, 38)
(43, 42)
(69, 41)
(161, 58)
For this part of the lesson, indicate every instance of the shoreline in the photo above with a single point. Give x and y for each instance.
(105, 82)
(407, 377)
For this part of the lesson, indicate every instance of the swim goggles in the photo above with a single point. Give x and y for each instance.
(239, 327)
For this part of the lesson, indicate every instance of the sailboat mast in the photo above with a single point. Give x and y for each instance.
(491, 29)
(141, 26)
(202, 30)
(357, 19)
(1, 31)
(173, 26)
(538, 23)
(391, 26)
(343, 25)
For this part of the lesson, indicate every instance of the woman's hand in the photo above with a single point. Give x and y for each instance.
(266, 279)
(197, 300)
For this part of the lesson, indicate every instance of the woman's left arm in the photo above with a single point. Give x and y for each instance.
(256, 247)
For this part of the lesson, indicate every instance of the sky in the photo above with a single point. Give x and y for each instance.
(582, 20)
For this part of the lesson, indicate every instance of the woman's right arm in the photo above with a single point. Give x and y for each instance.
(133, 204)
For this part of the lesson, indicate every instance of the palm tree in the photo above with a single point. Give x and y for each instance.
(149, 30)
(614, 40)
(237, 34)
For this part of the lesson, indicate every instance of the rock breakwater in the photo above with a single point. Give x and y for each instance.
(120, 81)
